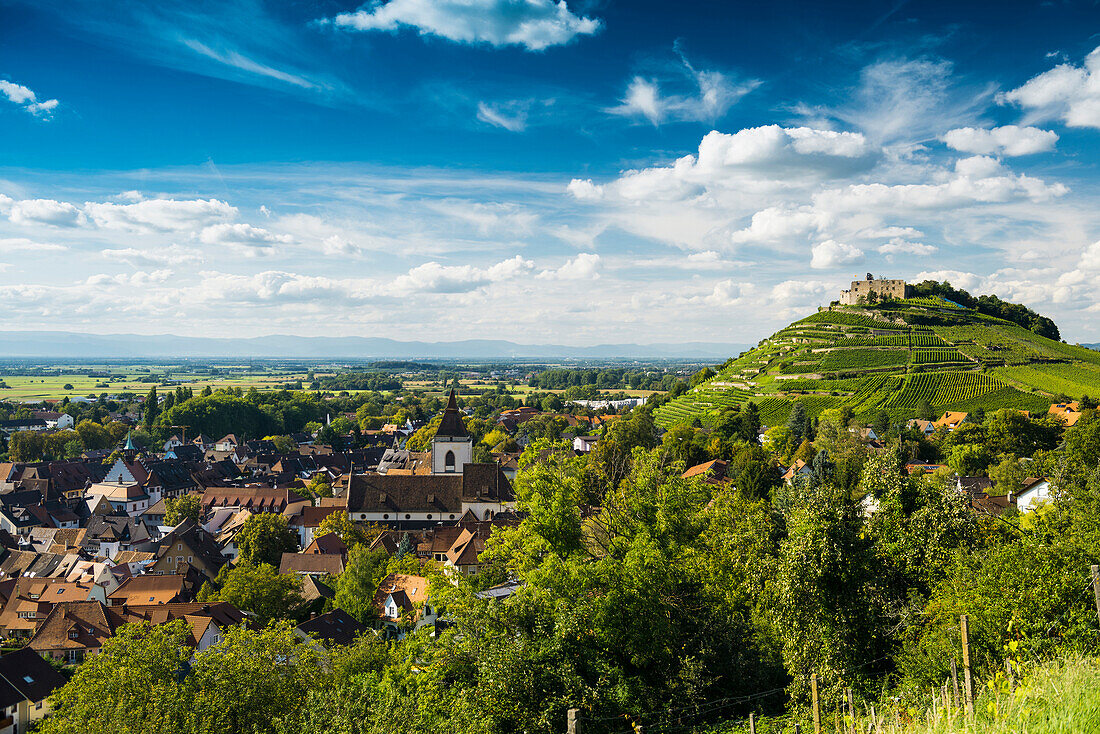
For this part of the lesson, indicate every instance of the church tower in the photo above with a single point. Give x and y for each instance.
(452, 446)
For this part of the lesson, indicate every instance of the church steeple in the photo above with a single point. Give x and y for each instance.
(452, 445)
(452, 424)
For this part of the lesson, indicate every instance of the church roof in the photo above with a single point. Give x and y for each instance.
(452, 425)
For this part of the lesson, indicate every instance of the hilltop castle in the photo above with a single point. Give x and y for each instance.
(884, 290)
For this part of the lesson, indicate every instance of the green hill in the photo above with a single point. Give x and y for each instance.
(893, 357)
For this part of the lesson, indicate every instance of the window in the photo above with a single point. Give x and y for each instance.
(408, 517)
(449, 461)
(179, 547)
(189, 558)
(386, 516)
(429, 517)
(73, 634)
(38, 706)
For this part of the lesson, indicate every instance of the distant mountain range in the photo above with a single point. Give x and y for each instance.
(69, 345)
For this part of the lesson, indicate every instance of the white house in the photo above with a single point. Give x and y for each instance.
(1034, 492)
(584, 444)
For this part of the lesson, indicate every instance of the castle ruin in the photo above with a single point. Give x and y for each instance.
(883, 290)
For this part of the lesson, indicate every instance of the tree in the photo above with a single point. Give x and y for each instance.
(67, 386)
(184, 507)
(319, 485)
(151, 409)
(356, 586)
(925, 411)
(260, 589)
(93, 435)
(339, 523)
(405, 548)
(796, 423)
(882, 424)
(132, 685)
(264, 538)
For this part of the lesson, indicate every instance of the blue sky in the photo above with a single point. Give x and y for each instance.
(578, 172)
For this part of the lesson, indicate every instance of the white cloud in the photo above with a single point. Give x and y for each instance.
(898, 246)
(585, 190)
(1010, 140)
(511, 117)
(832, 254)
(170, 255)
(22, 244)
(533, 24)
(1067, 92)
(711, 95)
(584, 266)
(239, 61)
(432, 277)
(161, 215)
(775, 224)
(254, 239)
(27, 99)
(46, 211)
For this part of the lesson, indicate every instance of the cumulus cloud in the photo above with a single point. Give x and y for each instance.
(46, 211)
(899, 246)
(170, 255)
(1067, 92)
(533, 24)
(510, 117)
(1009, 140)
(160, 215)
(585, 190)
(584, 266)
(27, 99)
(249, 240)
(727, 160)
(832, 254)
(432, 277)
(776, 223)
(710, 96)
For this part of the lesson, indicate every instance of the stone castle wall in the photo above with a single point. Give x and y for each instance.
(886, 290)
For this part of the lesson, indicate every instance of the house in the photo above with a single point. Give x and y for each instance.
(712, 472)
(1067, 413)
(584, 444)
(307, 519)
(26, 682)
(1034, 492)
(15, 425)
(951, 420)
(926, 428)
(172, 443)
(313, 564)
(126, 497)
(327, 544)
(32, 599)
(334, 628)
(150, 589)
(73, 631)
(423, 500)
(60, 421)
(188, 547)
(255, 499)
(228, 442)
(107, 535)
(463, 555)
(402, 596)
(799, 467)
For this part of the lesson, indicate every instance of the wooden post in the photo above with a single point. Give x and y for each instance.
(1096, 588)
(817, 704)
(752, 724)
(573, 721)
(851, 711)
(955, 680)
(968, 689)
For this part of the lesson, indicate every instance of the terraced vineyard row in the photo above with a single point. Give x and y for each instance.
(857, 359)
(931, 356)
(1074, 380)
(844, 317)
(922, 339)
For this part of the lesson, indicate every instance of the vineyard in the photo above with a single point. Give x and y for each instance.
(948, 356)
(1075, 380)
(931, 356)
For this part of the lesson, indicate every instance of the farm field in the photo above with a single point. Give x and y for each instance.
(32, 388)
